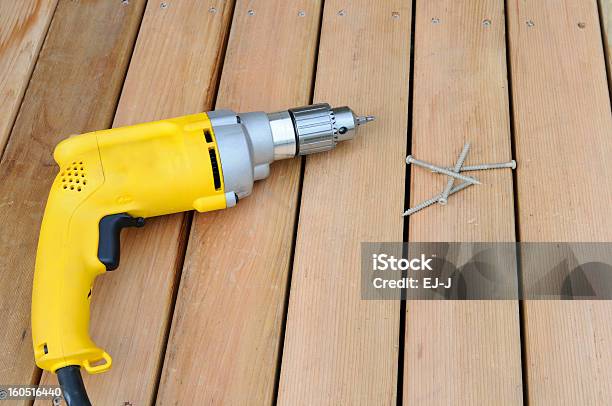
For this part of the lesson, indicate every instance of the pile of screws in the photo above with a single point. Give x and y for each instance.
(452, 173)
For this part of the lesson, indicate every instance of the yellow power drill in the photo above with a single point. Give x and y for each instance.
(116, 178)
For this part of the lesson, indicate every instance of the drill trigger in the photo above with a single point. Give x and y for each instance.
(109, 231)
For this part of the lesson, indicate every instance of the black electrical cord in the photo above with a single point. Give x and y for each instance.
(71, 382)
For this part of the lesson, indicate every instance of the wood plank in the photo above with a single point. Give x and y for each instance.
(233, 286)
(605, 17)
(339, 349)
(562, 131)
(23, 26)
(465, 352)
(74, 88)
(173, 72)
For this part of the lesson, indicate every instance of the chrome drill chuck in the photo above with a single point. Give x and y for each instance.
(320, 127)
(249, 142)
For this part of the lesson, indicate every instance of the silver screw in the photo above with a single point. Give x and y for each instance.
(434, 168)
(486, 23)
(530, 23)
(483, 167)
(212, 10)
(581, 25)
(395, 14)
(125, 1)
(163, 5)
(435, 20)
(435, 199)
(341, 13)
(301, 13)
(251, 12)
(449, 185)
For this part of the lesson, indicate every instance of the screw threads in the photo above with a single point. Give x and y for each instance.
(483, 167)
(435, 199)
(427, 165)
(449, 185)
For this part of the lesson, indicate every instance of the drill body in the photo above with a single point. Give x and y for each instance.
(116, 178)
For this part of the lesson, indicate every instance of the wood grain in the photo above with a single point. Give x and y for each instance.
(233, 286)
(339, 349)
(74, 88)
(562, 132)
(605, 17)
(173, 72)
(23, 26)
(461, 352)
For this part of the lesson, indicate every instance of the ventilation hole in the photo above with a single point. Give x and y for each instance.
(63, 180)
(65, 187)
(71, 187)
(89, 294)
(74, 163)
(63, 173)
(81, 168)
(215, 168)
(45, 348)
(80, 162)
(77, 181)
(84, 182)
(70, 180)
(208, 136)
(78, 189)
(82, 175)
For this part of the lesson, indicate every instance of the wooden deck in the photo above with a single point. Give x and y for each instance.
(260, 304)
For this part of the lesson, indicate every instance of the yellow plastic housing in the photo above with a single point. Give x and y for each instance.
(144, 170)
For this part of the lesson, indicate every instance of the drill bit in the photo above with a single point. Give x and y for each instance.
(364, 119)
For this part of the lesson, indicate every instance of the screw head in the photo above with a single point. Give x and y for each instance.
(435, 20)
(251, 12)
(486, 23)
(530, 23)
(125, 1)
(395, 15)
(342, 13)
(301, 13)
(581, 25)
(163, 5)
(212, 10)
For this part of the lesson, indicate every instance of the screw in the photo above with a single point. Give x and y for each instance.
(449, 185)
(486, 23)
(301, 13)
(395, 15)
(125, 1)
(427, 165)
(435, 199)
(581, 25)
(212, 10)
(251, 12)
(342, 13)
(435, 20)
(530, 23)
(163, 5)
(482, 167)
